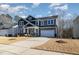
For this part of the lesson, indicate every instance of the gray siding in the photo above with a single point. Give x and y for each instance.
(76, 30)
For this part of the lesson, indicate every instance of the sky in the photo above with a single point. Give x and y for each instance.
(69, 10)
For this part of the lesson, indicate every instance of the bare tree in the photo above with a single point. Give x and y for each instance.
(68, 29)
(60, 22)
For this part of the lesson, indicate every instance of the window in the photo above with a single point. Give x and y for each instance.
(42, 23)
(45, 22)
(30, 18)
(50, 22)
(21, 23)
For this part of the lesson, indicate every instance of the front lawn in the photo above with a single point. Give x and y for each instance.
(9, 40)
(70, 46)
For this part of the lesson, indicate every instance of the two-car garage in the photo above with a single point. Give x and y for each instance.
(47, 33)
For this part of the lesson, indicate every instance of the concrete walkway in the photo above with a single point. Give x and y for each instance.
(24, 47)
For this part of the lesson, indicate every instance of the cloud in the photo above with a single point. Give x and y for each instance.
(23, 16)
(63, 7)
(34, 5)
(59, 6)
(9, 9)
(55, 4)
(59, 9)
(38, 16)
(4, 6)
(49, 12)
(17, 8)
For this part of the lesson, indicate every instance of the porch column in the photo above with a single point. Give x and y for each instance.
(35, 32)
(27, 31)
(24, 30)
(38, 22)
(38, 32)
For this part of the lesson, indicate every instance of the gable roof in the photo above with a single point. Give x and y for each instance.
(28, 21)
(30, 18)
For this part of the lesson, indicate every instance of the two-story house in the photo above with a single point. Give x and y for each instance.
(43, 26)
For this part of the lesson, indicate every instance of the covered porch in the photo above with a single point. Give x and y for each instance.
(32, 31)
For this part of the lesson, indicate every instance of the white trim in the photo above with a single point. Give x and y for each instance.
(33, 27)
(40, 27)
(38, 22)
(48, 27)
(26, 24)
(29, 22)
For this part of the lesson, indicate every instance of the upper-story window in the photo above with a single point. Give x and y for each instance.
(21, 23)
(30, 18)
(50, 22)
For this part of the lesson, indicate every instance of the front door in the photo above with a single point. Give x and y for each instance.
(31, 31)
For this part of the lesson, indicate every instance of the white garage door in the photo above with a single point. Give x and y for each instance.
(48, 33)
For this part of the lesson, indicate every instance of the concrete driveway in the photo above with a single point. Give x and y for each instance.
(24, 47)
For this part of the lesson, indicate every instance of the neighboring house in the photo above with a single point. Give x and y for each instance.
(3, 32)
(9, 31)
(43, 26)
(7, 26)
(76, 28)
